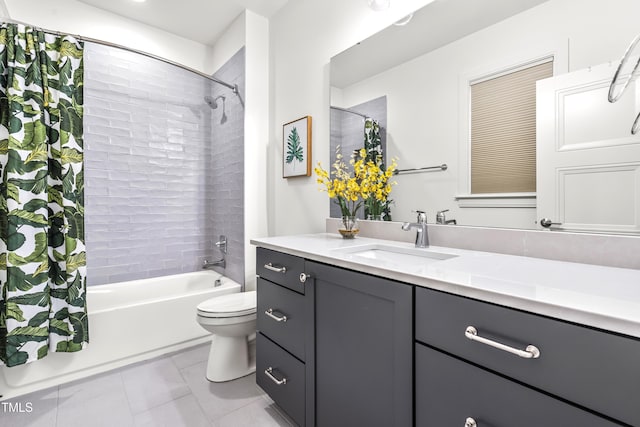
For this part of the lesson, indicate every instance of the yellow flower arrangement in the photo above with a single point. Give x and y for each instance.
(367, 184)
(378, 186)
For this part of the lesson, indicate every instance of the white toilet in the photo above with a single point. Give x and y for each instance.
(232, 319)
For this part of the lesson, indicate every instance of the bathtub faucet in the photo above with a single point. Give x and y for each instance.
(206, 264)
(222, 245)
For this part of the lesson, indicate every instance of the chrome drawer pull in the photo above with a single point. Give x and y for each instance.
(470, 422)
(531, 352)
(269, 313)
(270, 266)
(269, 372)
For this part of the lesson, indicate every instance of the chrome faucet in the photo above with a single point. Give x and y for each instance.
(422, 239)
(222, 262)
(442, 219)
(206, 264)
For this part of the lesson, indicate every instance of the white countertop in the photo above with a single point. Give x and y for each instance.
(602, 297)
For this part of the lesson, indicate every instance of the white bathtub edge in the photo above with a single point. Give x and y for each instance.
(124, 329)
(8, 392)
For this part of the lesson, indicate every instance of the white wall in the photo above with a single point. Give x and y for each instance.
(4, 12)
(304, 36)
(74, 17)
(428, 104)
(256, 131)
(230, 42)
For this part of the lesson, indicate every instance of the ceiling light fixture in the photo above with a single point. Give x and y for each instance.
(404, 21)
(139, 1)
(379, 5)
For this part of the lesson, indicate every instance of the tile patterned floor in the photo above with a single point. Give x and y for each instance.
(169, 391)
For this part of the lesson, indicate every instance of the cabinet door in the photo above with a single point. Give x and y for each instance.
(363, 347)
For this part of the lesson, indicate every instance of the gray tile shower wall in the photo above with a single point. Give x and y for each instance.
(347, 131)
(227, 168)
(149, 162)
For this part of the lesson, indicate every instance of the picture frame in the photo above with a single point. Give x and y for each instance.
(296, 148)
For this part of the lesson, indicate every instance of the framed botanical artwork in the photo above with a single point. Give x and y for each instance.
(296, 148)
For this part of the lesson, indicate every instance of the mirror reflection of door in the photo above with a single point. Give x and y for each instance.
(588, 172)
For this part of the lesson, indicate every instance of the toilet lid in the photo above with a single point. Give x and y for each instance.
(231, 305)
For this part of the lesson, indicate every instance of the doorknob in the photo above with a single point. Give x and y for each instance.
(546, 223)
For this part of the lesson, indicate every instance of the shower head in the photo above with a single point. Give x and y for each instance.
(213, 102)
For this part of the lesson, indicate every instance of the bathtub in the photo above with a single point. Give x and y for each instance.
(128, 322)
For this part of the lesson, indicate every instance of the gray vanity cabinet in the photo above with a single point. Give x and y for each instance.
(335, 349)
(284, 339)
(364, 345)
(362, 350)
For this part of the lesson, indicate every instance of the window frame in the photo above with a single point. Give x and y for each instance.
(464, 197)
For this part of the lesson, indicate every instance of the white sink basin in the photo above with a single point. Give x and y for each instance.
(395, 254)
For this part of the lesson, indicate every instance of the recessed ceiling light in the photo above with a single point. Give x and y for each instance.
(404, 21)
(139, 1)
(379, 5)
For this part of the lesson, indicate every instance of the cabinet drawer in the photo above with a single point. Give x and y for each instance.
(593, 368)
(280, 268)
(273, 361)
(448, 391)
(281, 316)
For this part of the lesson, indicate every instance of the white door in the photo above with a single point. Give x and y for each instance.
(588, 162)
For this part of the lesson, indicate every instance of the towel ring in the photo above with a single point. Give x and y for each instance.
(614, 97)
(636, 125)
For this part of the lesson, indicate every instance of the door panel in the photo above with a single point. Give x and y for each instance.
(588, 163)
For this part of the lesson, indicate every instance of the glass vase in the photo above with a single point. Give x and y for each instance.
(374, 217)
(349, 227)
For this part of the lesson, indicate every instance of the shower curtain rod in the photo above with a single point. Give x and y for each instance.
(346, 110)
(233, 87)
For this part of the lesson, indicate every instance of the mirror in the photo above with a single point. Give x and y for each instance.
(415, 78)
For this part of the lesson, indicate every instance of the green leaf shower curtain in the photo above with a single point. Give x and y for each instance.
(372, 139)
(42, 252)
(373, 145)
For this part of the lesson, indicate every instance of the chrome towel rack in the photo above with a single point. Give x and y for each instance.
(614, 96)
(442, 167)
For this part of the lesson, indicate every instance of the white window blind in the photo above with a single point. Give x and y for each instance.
(503, 131)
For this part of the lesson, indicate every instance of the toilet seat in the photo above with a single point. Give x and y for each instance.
(232, 305)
